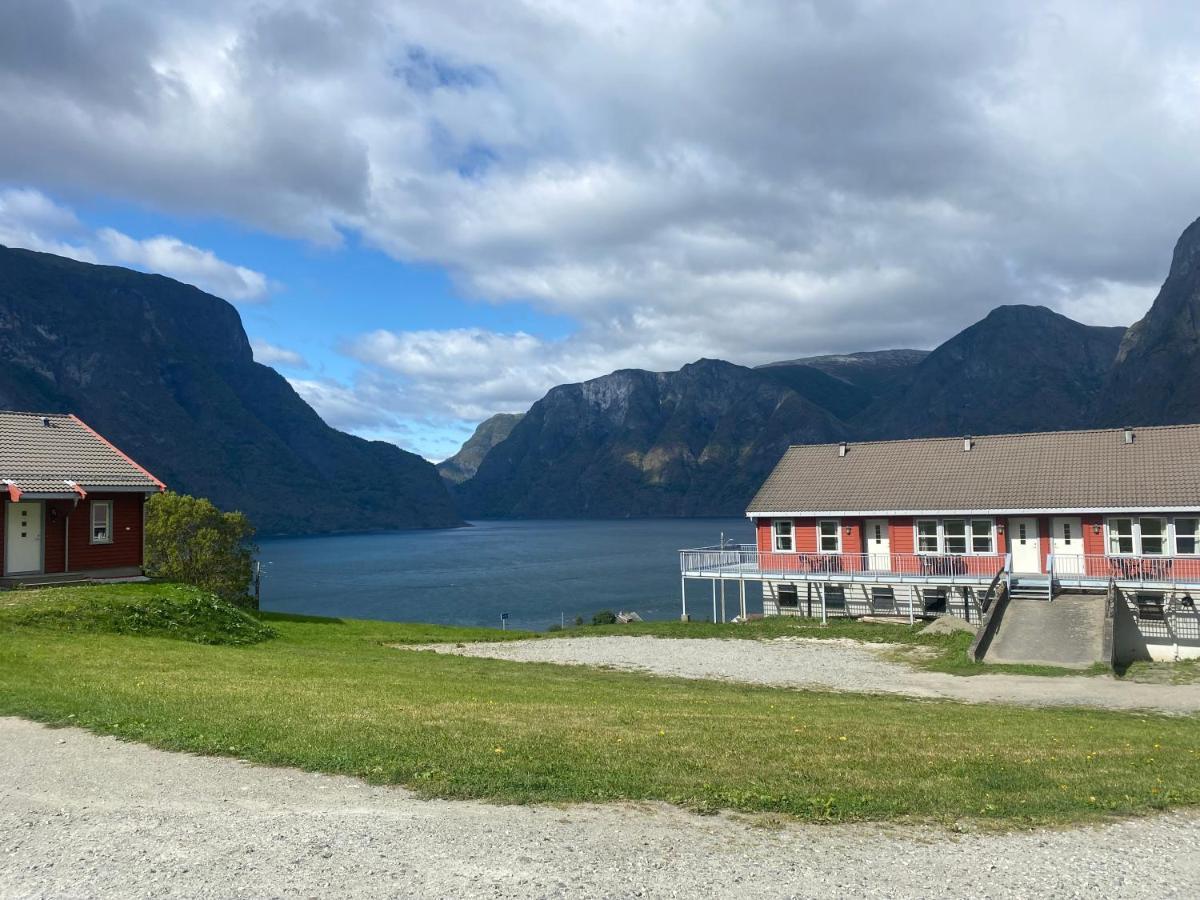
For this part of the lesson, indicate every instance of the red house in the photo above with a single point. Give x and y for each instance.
(937, 526)
(71, 502)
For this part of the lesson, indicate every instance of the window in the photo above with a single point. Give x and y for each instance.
(787, 596)
(1066, 534)
(835, 596)
(1022, 533)
(956, 537)
(981, 536)
(954, 534)
(1154, 536)
(783, 536)
(102, 532)
(1186, 536)
(927, 536)
(831, 539)
(877, 530)
(1120, 536)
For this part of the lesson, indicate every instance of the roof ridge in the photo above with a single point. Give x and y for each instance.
(1006, 434)
(24, 412)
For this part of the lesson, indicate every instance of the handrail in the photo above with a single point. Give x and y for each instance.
(1050, 576)
(990, 594)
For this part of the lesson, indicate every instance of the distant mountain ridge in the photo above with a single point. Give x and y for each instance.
(1021, 368)
(166, 372)
(465, 463)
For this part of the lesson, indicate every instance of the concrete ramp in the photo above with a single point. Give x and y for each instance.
(1067, 632)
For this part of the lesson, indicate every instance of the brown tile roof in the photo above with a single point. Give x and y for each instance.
(41, 453)
(1059, 470)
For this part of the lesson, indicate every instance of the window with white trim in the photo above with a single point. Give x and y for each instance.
(1154, 535)
(830, 535)
(982, 539)
(783, 536)
(102, 530)
(1120, 536)
(956, 537)
(1066, 533)
(927, 536)
(1187, 536)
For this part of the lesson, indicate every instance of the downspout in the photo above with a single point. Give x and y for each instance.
(67, 541)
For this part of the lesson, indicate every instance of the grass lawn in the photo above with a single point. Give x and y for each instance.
(327, 695)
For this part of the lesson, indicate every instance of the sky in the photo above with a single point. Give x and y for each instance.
(430, 211)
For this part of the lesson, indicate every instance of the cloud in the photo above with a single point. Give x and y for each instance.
(30, 219)
(273, 355)
(747, 180)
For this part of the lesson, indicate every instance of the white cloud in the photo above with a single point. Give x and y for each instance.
(171, 256)
(745, 180)
(273, 355)
(30, 219)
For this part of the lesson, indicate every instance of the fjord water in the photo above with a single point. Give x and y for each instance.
(536, 571)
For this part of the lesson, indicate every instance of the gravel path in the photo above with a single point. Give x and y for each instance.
(840, 665)
(82, 815)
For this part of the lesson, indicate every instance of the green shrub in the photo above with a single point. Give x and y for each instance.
(604, 617)
(191, 541)
(555, 627)
(175, 611)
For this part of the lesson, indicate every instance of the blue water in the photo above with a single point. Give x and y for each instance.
(537, 571)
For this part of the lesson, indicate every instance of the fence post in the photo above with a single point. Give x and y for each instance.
(683, 617)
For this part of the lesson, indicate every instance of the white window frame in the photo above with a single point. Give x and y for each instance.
(968, 536)
(107, 506)
(937, 537)
(1168, 536)
(837, 534)
(1194, 535)
(775, 535)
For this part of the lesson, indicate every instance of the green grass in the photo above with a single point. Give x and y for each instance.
(1186, 671)
(162, 610)
(331, 696)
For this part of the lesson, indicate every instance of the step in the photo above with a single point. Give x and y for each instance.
(1068, 632)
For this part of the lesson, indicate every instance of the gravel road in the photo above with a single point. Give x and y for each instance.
(82, 815)
(839, 665)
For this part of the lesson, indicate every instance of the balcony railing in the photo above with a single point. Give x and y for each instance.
(747, 561)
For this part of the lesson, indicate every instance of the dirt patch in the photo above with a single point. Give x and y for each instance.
(839, 665)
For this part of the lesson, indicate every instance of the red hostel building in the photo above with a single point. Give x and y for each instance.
(927, 527)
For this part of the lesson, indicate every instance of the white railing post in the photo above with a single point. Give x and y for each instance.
(714, 592)
(683, 597)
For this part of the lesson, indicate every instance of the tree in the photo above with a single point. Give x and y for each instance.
(191, 541)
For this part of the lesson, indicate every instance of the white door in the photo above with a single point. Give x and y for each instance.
(875, 534)
(1066, 543)
(23, 538)
(1024, 545)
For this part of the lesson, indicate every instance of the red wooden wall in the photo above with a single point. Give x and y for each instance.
(124, 551)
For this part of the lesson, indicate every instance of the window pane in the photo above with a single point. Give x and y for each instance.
(1120, 535)
(955, 532)
(1185, 535)
(927, 538)
(1154, 542)
(829, 536)
(783, 535)
(981, 535)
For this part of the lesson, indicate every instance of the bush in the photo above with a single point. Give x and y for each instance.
(555, 627)
(604, 617)
(191, 541)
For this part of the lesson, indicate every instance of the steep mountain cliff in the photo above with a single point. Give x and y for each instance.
(166, 372)
(688, 443)
(1022, 368)
(845, 384)
(1156, 377)
(465, 463)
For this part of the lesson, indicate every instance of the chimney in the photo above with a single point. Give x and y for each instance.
(842, 449)
(45, 421)
(968, 443)
(1129, 434)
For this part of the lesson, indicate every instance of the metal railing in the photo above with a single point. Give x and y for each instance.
(746, 560)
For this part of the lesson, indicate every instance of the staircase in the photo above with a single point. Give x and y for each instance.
(1068, 632)
(1030, 587)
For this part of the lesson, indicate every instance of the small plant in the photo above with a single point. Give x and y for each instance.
(604, 617)
(555, 627)
(578, 621)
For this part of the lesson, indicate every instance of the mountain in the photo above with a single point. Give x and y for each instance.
(166, 372)
(1022, 368)
(690, 443)
(845, 385)
(465, 463)
(1156, 377)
